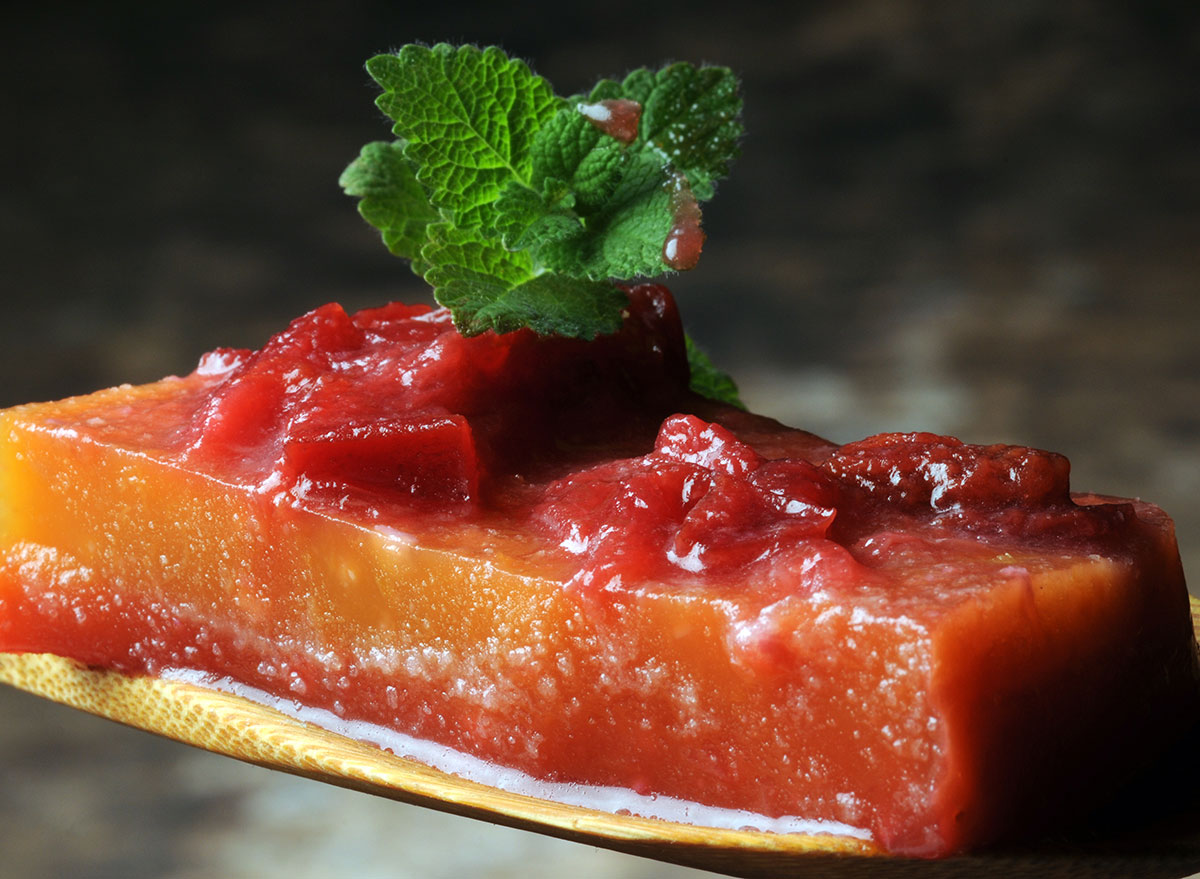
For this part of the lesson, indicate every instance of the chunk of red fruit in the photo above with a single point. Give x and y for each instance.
(429, 458)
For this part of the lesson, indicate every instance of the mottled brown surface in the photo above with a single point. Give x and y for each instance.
(979, 218)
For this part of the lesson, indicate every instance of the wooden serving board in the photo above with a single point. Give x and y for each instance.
(1153, 832)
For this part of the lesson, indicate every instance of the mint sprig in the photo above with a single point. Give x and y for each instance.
(468, 118)
(516, 207)
(392, 200)
(707, 380)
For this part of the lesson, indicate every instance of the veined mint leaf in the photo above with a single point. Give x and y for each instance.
(469, 117)
(622, 203)
(692, 115)
(624, 239)
(487, 287)
(546, 304)
(526, 218)
(451, 252)
(573, 151)
(707, 380)
(391, 198)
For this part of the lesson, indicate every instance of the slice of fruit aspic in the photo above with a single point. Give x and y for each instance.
(550, 555)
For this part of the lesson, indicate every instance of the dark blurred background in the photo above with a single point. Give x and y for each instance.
(976, 218)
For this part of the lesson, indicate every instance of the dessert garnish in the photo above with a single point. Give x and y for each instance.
(520, 208)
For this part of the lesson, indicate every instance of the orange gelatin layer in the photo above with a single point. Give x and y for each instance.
(939, 673)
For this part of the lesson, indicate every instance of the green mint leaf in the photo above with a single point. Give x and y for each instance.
(546, 304)
(692, 115)
(573, 151)
(468, 117)
(391, 198)
(451, 252)
(527, 219)
(707, 380)
(518, 208)
(487, 287)
(689, 126)
(625, 238)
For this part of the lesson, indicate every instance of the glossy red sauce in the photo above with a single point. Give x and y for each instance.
(685, 240)
(616, 117)
(598, 447)
(334, 396)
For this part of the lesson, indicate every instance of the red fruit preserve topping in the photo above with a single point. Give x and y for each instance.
(702, 501)
(396, 401)
(393, 413)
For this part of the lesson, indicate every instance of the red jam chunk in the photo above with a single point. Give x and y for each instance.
(685, 239)
(552, 555)
(701, 502)
(428, 457)
(616, 117)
